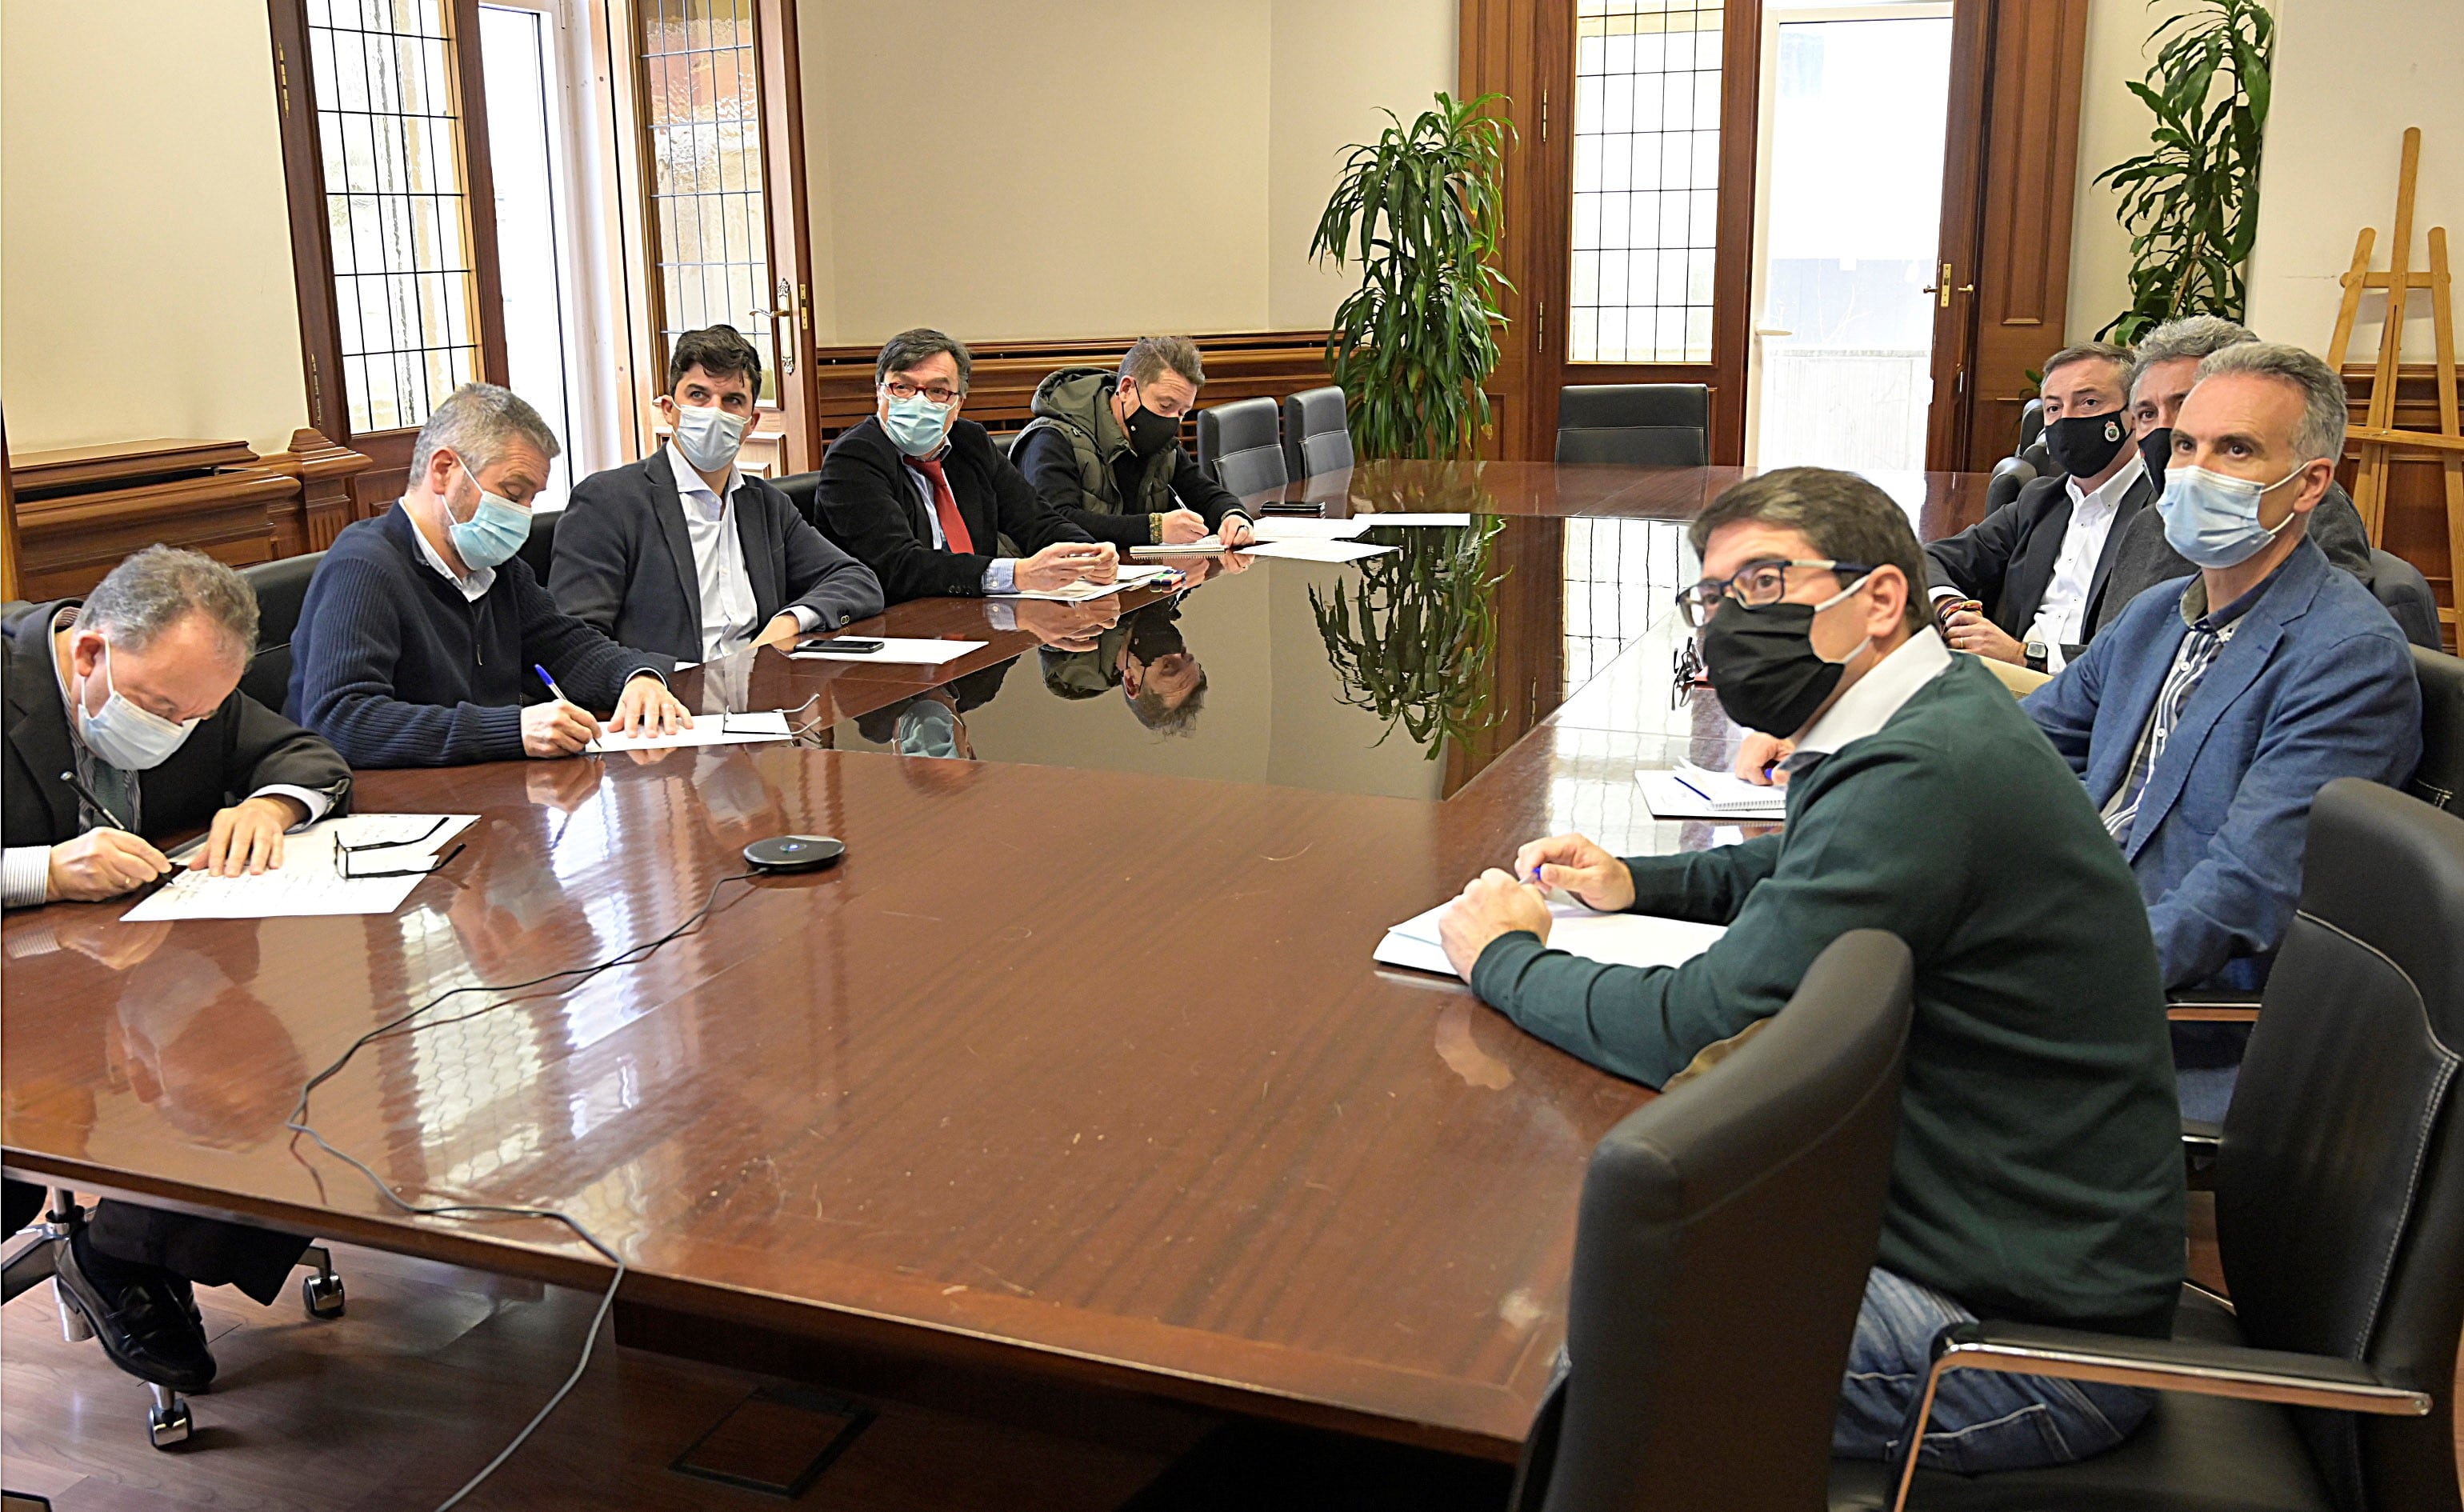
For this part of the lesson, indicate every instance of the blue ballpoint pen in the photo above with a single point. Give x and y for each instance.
(551, 685)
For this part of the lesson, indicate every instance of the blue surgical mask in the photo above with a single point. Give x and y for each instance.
(917, 424)
(491, 535)
(124, 735)
(2212, 520)
(928, 728)
(709, 436)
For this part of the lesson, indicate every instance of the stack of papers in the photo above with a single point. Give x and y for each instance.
(308, 881)
(1272, 528)
(1450, 521)
(912, 653)
(1621, 939)
(707, 730)
(1693, 792)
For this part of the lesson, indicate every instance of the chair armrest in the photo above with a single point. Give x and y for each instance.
(2177, 1365)
(2203, 1005)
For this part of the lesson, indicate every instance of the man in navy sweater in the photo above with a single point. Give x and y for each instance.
(421, 623)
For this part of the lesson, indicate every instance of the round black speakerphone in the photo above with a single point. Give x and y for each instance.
(794, 852)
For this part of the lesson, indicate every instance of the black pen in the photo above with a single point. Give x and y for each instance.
(113, 820)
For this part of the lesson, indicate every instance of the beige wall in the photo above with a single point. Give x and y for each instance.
(142, 226)
(1108, 166)
(2113, 125)
(2351, 75)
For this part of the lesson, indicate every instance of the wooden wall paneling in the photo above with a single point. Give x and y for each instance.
(2030, 176)
(310, 520)
(1242, 364)
(2414, 518)
(83, 508)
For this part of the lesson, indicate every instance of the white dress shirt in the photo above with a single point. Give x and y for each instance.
(1870, 702)
(2061, 617)
(728, 610)
(474, 584)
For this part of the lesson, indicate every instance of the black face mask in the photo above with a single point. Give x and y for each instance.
(1150, 432)
(2156, 448)
(1764, 667)
(2083, 445)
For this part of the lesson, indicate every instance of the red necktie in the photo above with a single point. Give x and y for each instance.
(945, 504)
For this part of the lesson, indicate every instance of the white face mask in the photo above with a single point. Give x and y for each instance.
(709, 436)
(124, 735)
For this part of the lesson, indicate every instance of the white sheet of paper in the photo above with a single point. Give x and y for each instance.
(1278, 528)
(1318, 550)
(1129, 576)
(1621, 939)
(1456, 521)
(707, 730)
(306, 883)
(1203, 546)
(912, 653)
(1691, 792)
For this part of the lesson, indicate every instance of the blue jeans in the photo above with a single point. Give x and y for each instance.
(1982, 1419)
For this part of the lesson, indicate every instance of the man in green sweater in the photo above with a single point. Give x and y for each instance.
(2038, 1174)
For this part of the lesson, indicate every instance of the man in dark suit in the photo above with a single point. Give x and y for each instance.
(681, 554)
(2024, 585)
(921, 497)
(136, 692)
(2167, 367)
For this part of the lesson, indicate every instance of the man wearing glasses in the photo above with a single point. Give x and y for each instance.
(2037, 1176)
(921, 497)
(127, 727)
(1104, 448)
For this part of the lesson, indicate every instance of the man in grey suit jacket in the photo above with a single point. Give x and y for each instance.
(2167, 367)
(681, 554)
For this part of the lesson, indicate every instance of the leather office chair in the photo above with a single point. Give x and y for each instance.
(2010, 475)
(280, 588)
(2032, 422)
(2439, 779)
(1317, 434)
(1638, 424)
(804, 489)
(1721, 1257)
(1240, 445)
(2036, 456)
(2400, 586)
(168, 1419)
(540, 551)
(2340, 1222)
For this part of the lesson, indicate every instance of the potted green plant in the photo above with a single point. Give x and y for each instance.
(1420, 210)
(2192, 202)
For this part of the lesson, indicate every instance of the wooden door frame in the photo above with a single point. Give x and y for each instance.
(1525, 50)
(312, 249)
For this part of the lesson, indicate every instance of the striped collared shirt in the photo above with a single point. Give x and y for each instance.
(2199, 651)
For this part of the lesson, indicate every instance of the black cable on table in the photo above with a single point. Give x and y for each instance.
(297, 1123)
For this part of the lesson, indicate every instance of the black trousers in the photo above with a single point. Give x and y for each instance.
(207, 1252)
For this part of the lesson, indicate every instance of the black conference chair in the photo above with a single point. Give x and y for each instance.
(2036, 456)
(2340, 1222)
(1317, 433)
(1725, 1233)
(2400, 586)
(2010, 475)
(2032, 422)
(280, 588)
(1241, 446)
(540, 551)
(804, 489)
(1638, 424)
(2439, 779)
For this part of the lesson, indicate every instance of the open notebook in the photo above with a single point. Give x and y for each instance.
(1621, 939)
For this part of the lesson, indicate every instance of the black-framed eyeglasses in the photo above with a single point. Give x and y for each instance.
(940, 394)
(1757, 585)
(347, 868)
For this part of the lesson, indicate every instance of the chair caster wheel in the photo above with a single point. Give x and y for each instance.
(168, 1426)
(322, 1296)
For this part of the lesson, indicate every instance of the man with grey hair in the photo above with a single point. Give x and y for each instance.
(127, 727)
(1104, 448)
(924, 499)
(2208, 716)
(419, 633)
(2168, 359)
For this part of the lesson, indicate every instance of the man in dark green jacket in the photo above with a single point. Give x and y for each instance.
(1104, 448)
(2038, 1174)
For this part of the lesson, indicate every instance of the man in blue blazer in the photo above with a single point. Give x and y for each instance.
(2208, 716)
(683, 554)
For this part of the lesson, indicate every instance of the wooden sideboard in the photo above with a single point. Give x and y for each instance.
(80, 510)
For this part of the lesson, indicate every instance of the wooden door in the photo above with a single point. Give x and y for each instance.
(2009, 172)
(716, 186)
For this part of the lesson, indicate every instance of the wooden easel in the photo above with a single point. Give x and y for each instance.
(2377, 437)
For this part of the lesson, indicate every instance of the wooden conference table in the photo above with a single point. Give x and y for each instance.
(1074, 1077)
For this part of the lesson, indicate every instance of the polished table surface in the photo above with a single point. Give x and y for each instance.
(1077, 1067)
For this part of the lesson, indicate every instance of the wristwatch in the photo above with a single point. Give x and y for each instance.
(2037, 655)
